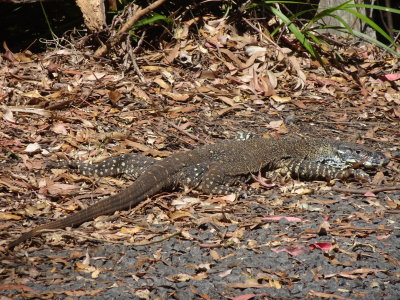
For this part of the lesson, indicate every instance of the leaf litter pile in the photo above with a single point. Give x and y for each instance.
(286, 240)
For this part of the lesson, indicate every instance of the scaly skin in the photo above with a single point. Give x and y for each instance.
(217, 168)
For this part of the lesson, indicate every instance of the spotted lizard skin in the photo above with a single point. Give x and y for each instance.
(218, 169)
(129, 164)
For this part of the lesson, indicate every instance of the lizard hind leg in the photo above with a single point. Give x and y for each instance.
(216, 181)
(191, 176)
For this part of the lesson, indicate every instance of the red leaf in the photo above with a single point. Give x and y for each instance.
(290, 219)
(370, 194)
(323, 246)
(392, 77)
(294, 251)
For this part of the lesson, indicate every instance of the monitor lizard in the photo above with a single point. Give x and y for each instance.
(218, 168)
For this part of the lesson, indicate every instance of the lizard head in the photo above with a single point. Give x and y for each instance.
(342, 155)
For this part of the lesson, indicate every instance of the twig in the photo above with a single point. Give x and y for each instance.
(101, 240)
(127, 26)
(136, 67)
(193, 137)
(165, 237)
(263, 34)
(139, 43)
(132, 54)
(363, 191)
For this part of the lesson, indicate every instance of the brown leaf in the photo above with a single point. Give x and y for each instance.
(313, 294)
(162, 83)
(172, 54)
(179, 214)
(61, 188)
(18, 287)
(131, 231)
(60, 128)
(299, 104)
(246, 296)
(179, 277)
(7, 216)
(114, 96)
(245, 285)
(175, 96)
(214, 254)
(147, 149)
(378, 178)
(323, 228)
(234, 58)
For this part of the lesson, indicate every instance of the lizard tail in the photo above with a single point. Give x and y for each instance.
(34, 232)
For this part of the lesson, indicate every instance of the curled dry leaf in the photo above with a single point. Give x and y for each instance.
(34, 147)
(323, 229)
(8, 116)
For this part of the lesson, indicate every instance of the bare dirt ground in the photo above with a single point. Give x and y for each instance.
(296, 240)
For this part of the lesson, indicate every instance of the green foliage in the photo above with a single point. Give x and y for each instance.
(47, 20)
(155, 17)
(307, 36)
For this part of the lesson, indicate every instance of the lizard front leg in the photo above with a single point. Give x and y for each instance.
(311, 170)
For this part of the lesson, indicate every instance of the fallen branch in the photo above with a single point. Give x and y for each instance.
(75, 234)
(193, 137)
(363, 191)
(124, 29)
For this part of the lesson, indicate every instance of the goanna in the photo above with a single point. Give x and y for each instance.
(218, 169)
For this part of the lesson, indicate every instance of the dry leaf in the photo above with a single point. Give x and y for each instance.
(33, 148)
(7, 216)
(131, 231)
(180, 214)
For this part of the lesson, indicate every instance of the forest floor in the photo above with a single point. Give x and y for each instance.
(294, 240)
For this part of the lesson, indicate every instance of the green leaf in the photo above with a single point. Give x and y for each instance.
(305, 36)
(376, 42)
(296, 31)
(154, 18)
(325, 13)
(371, 24)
